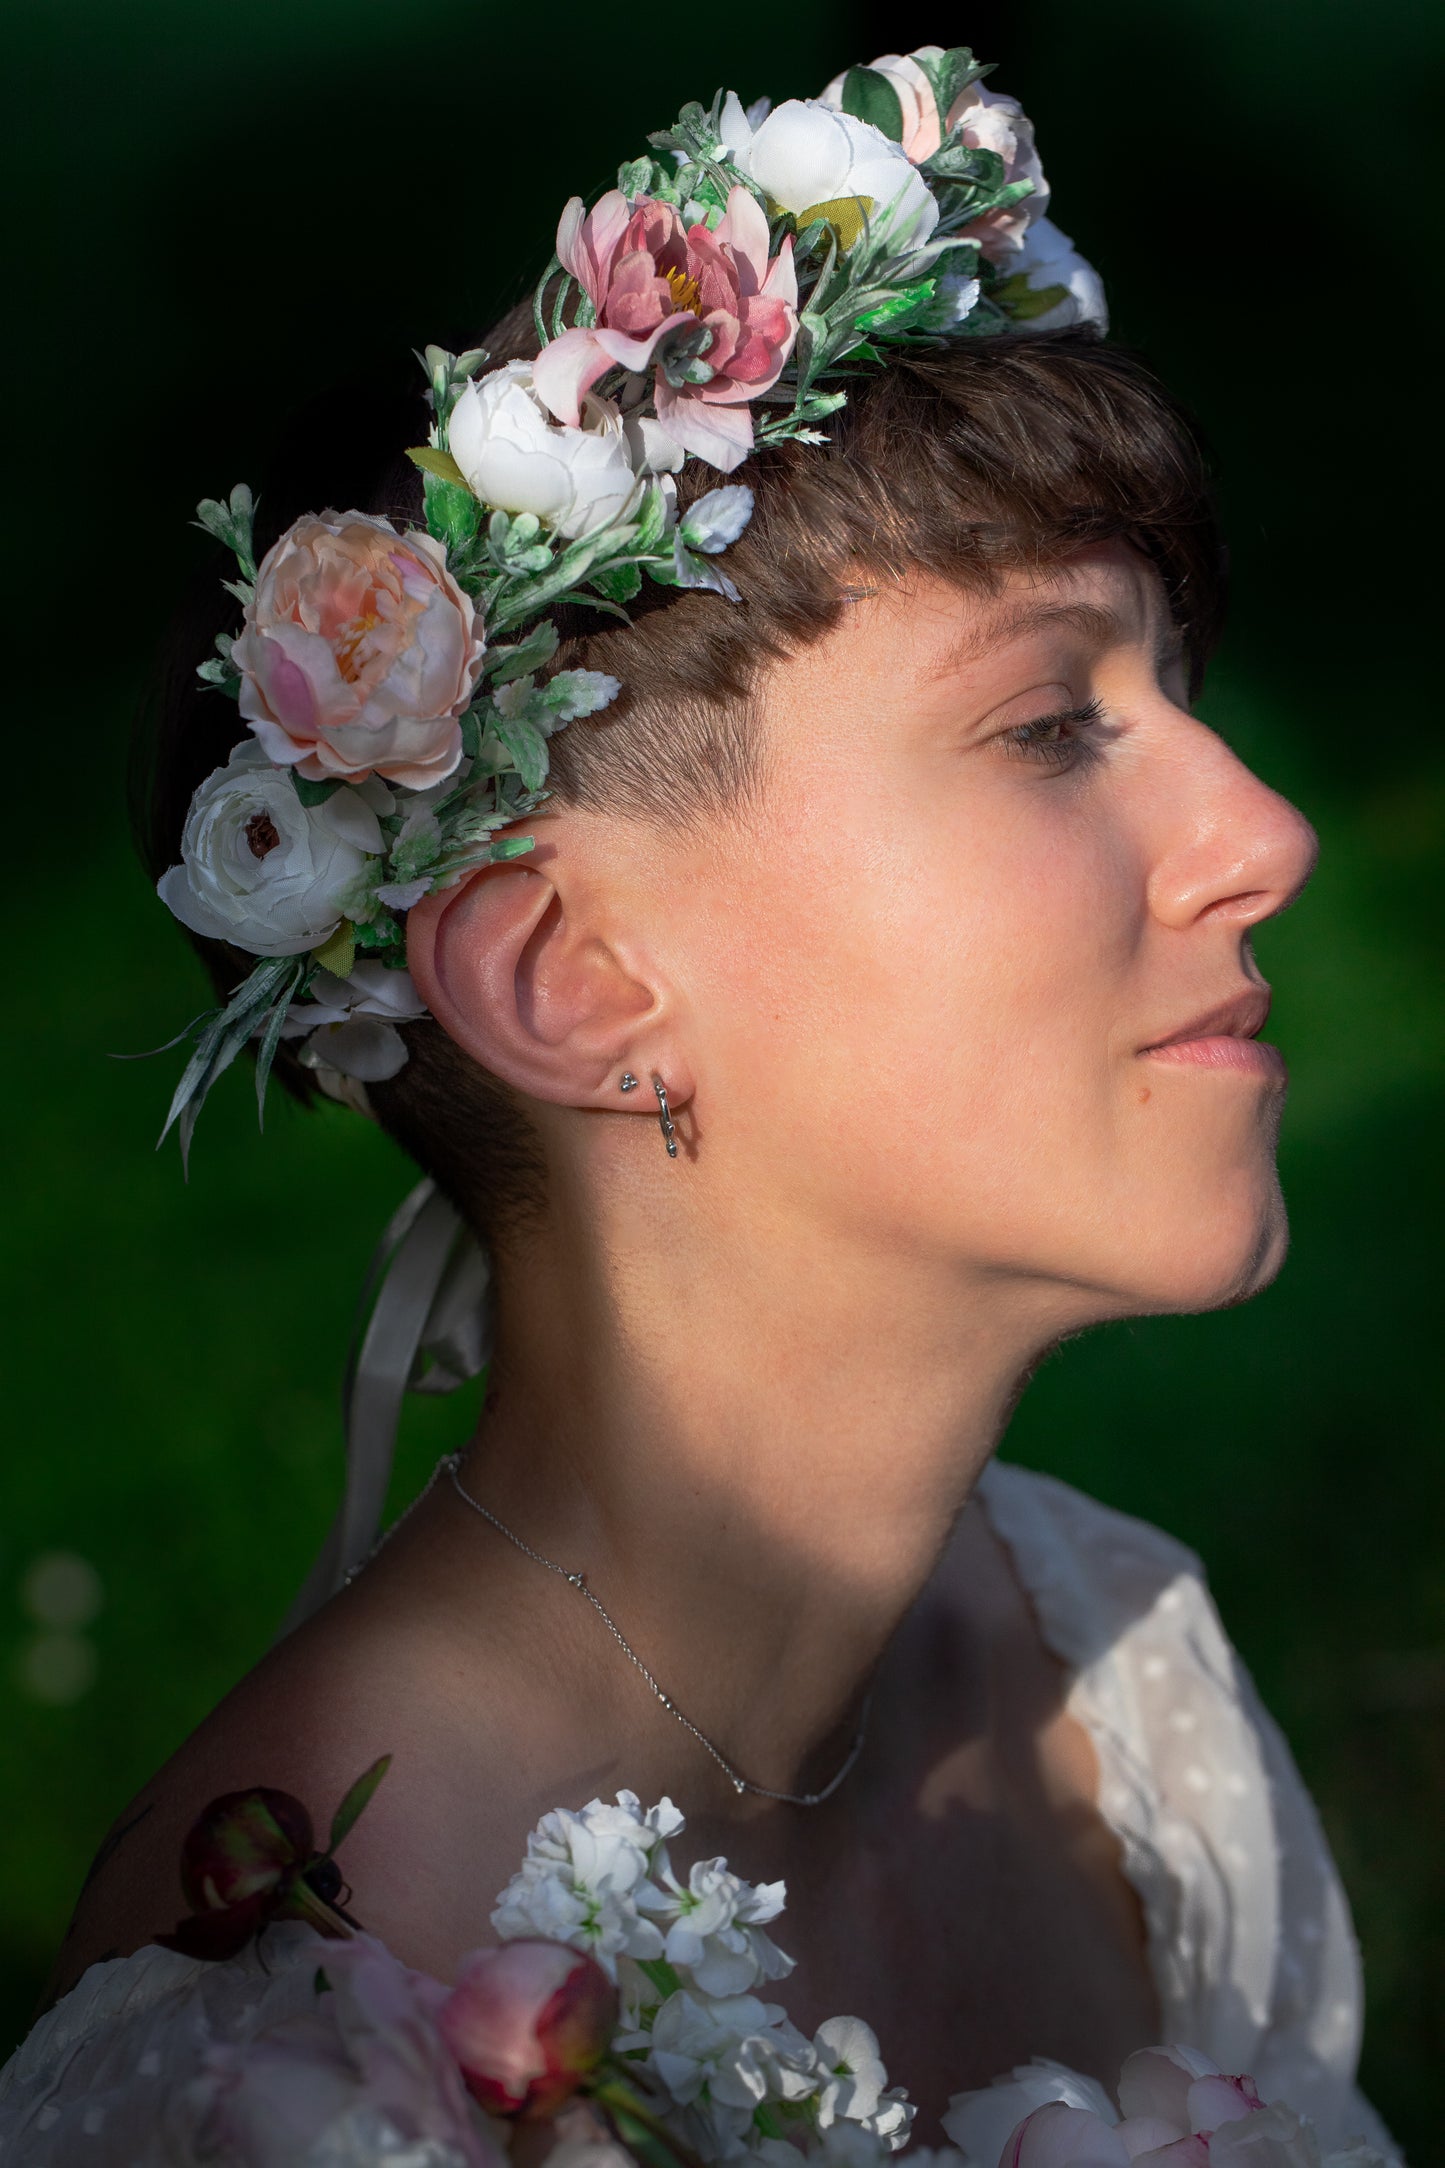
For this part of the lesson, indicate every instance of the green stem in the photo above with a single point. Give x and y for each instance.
(637, 2126)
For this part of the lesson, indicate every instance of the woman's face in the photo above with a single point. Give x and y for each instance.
(976, 981)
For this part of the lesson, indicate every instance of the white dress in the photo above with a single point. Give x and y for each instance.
(1250, 1942)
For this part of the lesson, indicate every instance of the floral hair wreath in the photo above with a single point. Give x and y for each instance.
(395, 682)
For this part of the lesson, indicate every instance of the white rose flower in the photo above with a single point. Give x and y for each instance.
(515, 457)
(1049, 258)
(804, 155)
(259, 868)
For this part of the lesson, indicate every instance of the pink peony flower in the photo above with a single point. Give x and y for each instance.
(989, 122)
(683, 301)
(367, 2076)
(527, 2022)
(1176, 2110)
(359, 653)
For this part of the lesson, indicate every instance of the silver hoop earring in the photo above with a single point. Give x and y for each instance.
(629, 1082)
(664, 1117)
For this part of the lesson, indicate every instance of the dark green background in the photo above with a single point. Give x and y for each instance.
(219, 213)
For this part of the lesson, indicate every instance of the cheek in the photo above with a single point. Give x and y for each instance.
(949, 977)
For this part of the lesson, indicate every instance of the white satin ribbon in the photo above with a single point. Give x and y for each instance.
(423, 1324)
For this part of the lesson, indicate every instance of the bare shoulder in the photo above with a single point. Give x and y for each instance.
(360, 1680)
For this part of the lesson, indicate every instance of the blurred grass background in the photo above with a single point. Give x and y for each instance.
(213, 212)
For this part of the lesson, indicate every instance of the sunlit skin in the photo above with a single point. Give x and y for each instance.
(910, 1005)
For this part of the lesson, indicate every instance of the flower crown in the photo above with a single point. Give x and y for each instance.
(396, 683)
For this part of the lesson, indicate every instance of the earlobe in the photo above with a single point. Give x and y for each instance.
(532, 995)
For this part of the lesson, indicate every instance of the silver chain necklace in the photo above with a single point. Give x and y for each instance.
(452, 1462)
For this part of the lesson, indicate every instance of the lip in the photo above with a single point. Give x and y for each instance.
(1224, 1037)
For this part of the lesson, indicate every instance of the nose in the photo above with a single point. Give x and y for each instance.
(1236, 850)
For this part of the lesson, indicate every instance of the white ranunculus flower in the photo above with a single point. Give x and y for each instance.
(516, 458)
(1049, 258)
(804, 154)
(262, 870)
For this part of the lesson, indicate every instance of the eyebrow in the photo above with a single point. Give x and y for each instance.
(1098, 624)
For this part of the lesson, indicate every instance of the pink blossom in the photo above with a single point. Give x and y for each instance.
(359, 653)
(666, 296)
(526, 2023)
(367, 2073)
(1176, 2110)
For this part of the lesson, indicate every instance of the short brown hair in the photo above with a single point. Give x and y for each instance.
(965, 460)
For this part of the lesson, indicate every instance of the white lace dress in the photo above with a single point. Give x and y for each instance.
(1252, 1951)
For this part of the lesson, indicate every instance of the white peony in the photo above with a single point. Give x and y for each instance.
(260, 869)
(1049, 258)
(515, 457)
(805, 155)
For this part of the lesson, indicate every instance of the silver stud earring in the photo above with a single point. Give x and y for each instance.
(664, 1116)
(629, 1081)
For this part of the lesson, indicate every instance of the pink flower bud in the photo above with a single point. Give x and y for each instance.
(527, 2022)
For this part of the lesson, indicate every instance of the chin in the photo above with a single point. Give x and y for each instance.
(1225, 1257)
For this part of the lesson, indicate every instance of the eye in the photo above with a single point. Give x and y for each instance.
(1055, 741)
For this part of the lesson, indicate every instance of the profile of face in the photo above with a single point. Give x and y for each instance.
(967, 984)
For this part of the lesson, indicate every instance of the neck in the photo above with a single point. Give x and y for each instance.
(756, 1462)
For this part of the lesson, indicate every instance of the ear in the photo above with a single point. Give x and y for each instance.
(527, 983)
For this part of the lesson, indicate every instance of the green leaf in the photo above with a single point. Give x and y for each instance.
(635, 178)
(453, 514)
(507, 663)
(312, 793)
(338, 953)
(354, 1805)
(527, 746)
(270, 1040)
(619, 583)
(574, 693)
(951, 73)
(441, 464)
(507, 847)
(660, 1972)
(1024, 302)
(906, 302)
(231, 523)
(869, 96)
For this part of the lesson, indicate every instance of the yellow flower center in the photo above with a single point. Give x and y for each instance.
(685, 291)
(350, 641)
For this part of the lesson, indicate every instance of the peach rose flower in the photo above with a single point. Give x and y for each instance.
(359, 653)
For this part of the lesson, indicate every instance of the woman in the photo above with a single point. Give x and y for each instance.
(910, 908)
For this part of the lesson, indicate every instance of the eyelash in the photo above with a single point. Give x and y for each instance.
(1028, 741)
